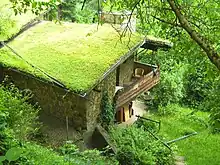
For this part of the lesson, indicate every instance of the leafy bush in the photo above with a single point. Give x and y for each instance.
(149, 125)
(212, 104)
(86, 15)
(135, 146)
(12, 154)
(71, 10)
(197, 84)
(32, 153)
(172, 75)
(35, 154)
(6, 23)
(18, 118)
(71, 153)
(170, 90)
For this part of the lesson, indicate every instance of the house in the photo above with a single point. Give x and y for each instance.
(68, 66)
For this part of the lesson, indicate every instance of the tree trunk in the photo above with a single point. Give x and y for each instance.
(207, 47)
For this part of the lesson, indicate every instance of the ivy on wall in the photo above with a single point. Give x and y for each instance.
(107, 110)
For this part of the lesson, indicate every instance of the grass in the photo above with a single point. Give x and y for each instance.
(75, 54)
(201, 149)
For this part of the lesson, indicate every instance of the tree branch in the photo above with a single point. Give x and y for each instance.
(167, 22)
(207, 47)
(84, 2)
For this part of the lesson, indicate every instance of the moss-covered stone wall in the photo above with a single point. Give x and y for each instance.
(95, 96)
(82, 113)
(53, 100)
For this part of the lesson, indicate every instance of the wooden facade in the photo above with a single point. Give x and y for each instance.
(144, 78)
(139, 83)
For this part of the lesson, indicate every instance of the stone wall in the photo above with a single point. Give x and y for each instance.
(125, 19)
(56, 102)
(126, 71)
(53, 100)
(95, 96)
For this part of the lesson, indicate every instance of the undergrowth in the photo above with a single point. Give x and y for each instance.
(136, 146)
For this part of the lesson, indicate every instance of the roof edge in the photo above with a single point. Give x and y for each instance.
(114, 66)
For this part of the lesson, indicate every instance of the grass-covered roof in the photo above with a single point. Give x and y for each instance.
(11, 24)
(75, 54)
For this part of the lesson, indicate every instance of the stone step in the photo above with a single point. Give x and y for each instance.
(180, 163)
(179, 160)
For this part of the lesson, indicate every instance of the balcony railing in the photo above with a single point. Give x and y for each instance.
(144, 78)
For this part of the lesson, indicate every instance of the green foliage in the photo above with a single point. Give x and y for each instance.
(212, 104)
(68, 148)
(5, 23)
(107, 110)
(69, 10)
(71, 153)
(36, 6)
(86, 15)
(198, 83)
(9, 23)
(35, 154)
(72, 11)
(172, 75)
(19, 115)
(135, 146)
(151, 126)
(12, 154)
(18, 118)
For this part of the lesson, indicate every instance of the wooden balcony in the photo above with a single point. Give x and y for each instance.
(144, 78)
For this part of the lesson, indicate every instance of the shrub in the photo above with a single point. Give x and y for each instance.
(212, 104)
(6, 23)
(197, 85)
(18, 119)
(37, 155)
(21, 116)
(135, 146)
(71, 153)
(172, 74)
(149, 125)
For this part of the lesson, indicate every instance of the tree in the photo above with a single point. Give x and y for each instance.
(201, 41)
(197, 18)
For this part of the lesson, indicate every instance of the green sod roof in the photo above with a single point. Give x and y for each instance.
(9, 23)
(77, 55)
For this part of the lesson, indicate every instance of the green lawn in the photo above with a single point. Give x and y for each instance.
(75, 54)
(201, 149)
